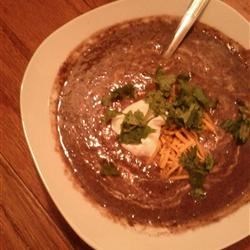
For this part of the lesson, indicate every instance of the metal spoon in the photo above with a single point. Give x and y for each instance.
(193, 12)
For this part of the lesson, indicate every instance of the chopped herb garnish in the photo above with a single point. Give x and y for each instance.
(240, 127)
(197, 170)
(108, 169)
(189, 94)
(164, 81)
(134, 136)
(136, 118)
(126, 91)
(157, 103)
(189, 106)
(203, 99)
(244, 109)
(110, 114)
(134, 128)
(209, 162)
(189, 117)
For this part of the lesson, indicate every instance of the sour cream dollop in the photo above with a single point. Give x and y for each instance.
(148, 145)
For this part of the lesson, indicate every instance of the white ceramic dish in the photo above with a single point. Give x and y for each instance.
(95, 229)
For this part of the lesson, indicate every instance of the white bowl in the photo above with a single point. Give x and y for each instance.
(97, 230)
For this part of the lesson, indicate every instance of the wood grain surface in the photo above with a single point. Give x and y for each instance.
(29, 219)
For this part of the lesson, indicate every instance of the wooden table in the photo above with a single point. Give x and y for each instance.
(29, 219)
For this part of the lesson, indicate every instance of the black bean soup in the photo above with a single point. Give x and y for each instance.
(130, 53)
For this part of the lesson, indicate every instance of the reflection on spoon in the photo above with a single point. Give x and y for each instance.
(193, 12)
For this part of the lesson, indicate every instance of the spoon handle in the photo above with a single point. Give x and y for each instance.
(193, 12)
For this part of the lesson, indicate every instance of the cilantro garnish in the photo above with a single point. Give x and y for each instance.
(119, 94)
(134, 128)
(197, 169)
(189, 105)
(164, 81)
(157, 103)
(203, 99)
(190, 93)
(244, 109)
(188, 117)
(157, 99)
(108, 169)
(240, 127)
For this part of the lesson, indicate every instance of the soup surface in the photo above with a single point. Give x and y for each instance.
(130, 53)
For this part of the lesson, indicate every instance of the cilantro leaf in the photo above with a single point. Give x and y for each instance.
(158, 103)
(244, 132)
(244, 109)
(135, 134)
(136, 118)
(134, 128)
(189, 105)
(202, 98)
(109, 115)
(209, 162)
(195, 94)
(108, 169)
(240, 127)
(164, 81)
(193, 117)
(119, 94)
(189, 117)
(197, 170)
